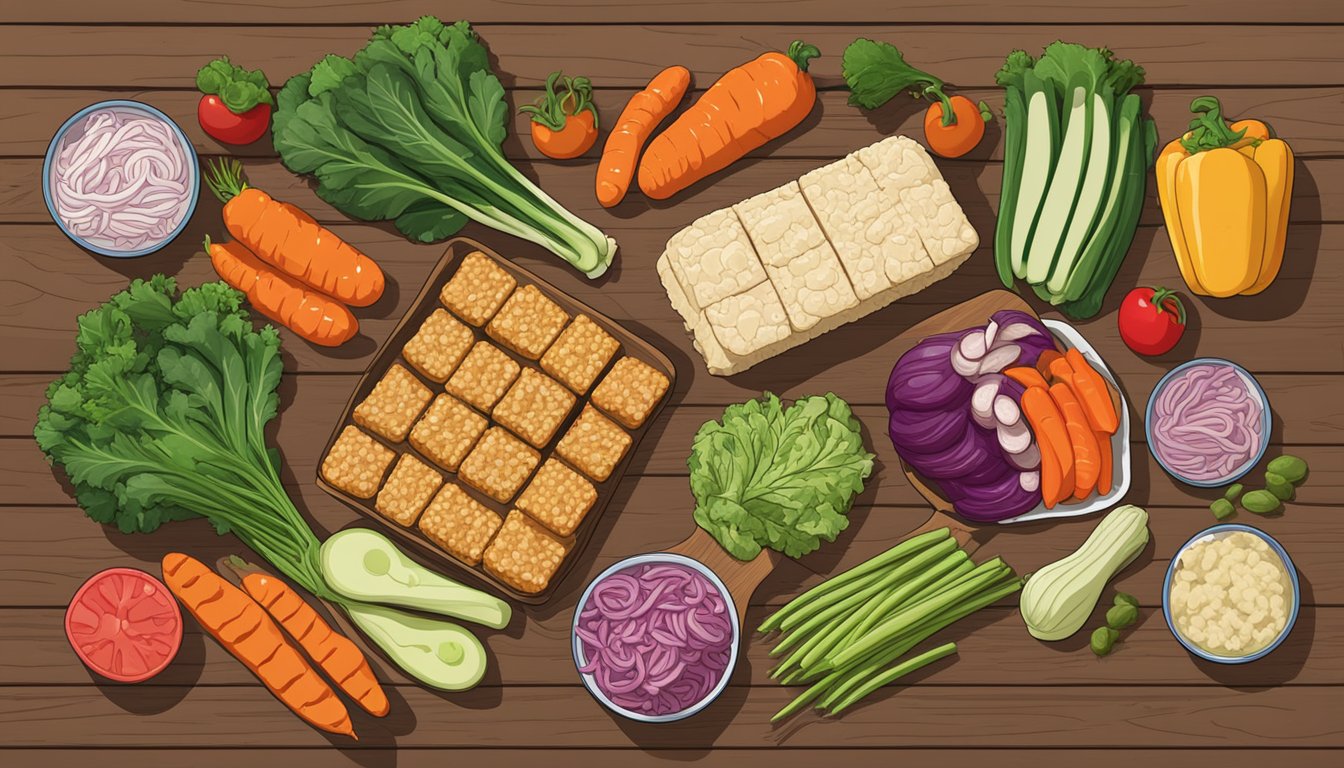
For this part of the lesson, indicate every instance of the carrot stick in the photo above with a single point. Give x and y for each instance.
(1081, 437)
(1047, 423)
(334, 653)
(312, 315)
(1104, 463)
(239, 624)
(1061, 371)
(750, 105)
(641, 116)
(289, 240)
(1027, 377)
(1047, 358)
(1052, 477)
(1094, 394)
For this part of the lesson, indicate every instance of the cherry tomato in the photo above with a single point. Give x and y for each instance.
(223, 125)
(962, 134)
(1151, 320)
(576, 137)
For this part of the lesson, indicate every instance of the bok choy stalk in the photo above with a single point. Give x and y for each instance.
(409, 129)
(1077, 152)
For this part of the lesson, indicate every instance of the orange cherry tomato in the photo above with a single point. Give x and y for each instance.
(961, 136)
(577, 137)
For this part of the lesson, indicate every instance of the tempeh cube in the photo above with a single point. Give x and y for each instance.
(439, 345)
(390, 409)
(524, 555)
(558, 497)
(408, 489)
(528, 322)
(630, 390)
(484, 376)
(356, 463)
(460, 524)
(498, 465)
(579, 354)
(477, 289)
(594, 444)
(534, 407)
(447, 431)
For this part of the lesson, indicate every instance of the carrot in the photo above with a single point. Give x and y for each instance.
(1086, 459)
(748, 106)
(641, 116)
(312, 315)
(243, 628)
(1043, 362)
(1027, 377)
(1103, 463)
(1060, 371)
(1052, 477)
(289, 240)
(1048, 425)
(334, 653)
(1094, 394)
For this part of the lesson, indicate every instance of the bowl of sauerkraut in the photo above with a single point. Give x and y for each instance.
(120, 178)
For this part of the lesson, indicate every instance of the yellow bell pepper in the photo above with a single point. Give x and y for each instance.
(1225, 191)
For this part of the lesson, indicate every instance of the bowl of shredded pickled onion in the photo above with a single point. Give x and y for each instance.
(120, 178)
(1208, 422)
(655, 637)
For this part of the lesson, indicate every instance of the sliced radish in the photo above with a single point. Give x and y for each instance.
(1015, 331)
(982, 400)
(965, 368)
(991, 331)
(973, 345)
(1014, 438)
(1029, 481)
(1006, 410)
(1026, 460)
(999, 358)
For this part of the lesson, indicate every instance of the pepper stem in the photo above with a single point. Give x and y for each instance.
(1209, 129)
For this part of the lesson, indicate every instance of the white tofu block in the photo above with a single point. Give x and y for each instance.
(702, 337)
(713, 259)
(812, 286)
(750, 322)
(904, 169)
(779, 224)
(873, 236)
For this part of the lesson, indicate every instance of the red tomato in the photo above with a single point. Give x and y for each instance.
(959, 137)
(124, 625)
(1151, 320)
(221, 124)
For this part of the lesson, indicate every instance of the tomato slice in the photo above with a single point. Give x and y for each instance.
(124, 624)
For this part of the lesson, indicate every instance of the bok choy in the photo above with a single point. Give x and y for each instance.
(1077, 152)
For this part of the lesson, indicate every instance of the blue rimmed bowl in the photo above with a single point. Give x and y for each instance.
(657, 558)
(74, 123)
(1266, 421)
(1215, 532)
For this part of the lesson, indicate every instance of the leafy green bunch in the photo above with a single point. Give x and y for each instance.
(410, 130)
(783, 478)
(162, 417)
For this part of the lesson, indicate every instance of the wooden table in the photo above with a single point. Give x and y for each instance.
(1006, 698)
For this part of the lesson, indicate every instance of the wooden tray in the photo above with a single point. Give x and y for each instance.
(425, 303)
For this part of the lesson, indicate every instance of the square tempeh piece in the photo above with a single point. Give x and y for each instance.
(439, 345)
(356, 463)
(478, 289)
(460, 524)
(498, 465)
(594, 444)
(447, 431)
(528, 322)
(484, 376)
(408, 489)
(580, 354)
(558, 497)
(534, 407)
(391, 408)
(630, 390)
(524, 555)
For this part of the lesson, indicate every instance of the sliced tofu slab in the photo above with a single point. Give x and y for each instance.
(749, 323)
(713, 259)
(904, 169)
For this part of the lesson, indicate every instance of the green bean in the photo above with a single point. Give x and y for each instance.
(806, 696)
(961, 572)
(896, 672)
(820, 595)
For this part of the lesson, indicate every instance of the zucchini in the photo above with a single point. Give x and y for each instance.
(1096, 178)
(1059, 199)
(1015, 139)
(1038, 161)
(1058, 598)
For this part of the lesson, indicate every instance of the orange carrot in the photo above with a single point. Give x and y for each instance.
(243, 628)
(1043, 362)
(638, 120)
(1047, 424)
(1104, 463)
(1086, 460)
(1060, 371)
(1094, 394)
(1027, 377)
(748, 106)
(1052, 477)
(289, 240)
(334, 653)
(312, 315)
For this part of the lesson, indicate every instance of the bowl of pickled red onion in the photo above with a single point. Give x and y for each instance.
(120, 178)
(656, 637)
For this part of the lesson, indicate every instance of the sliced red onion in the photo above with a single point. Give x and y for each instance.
(1026, 460)
(1029, 481)
(964, 367)
(1014, 438)
(982, 400)
(1207, 422)
(972, 345)
(991, 331)
(1006, 410)
(1015, 331)
(999, 358)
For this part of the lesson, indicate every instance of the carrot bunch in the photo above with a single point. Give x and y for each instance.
(292, 269)
(1069, 407)
(248, 626)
